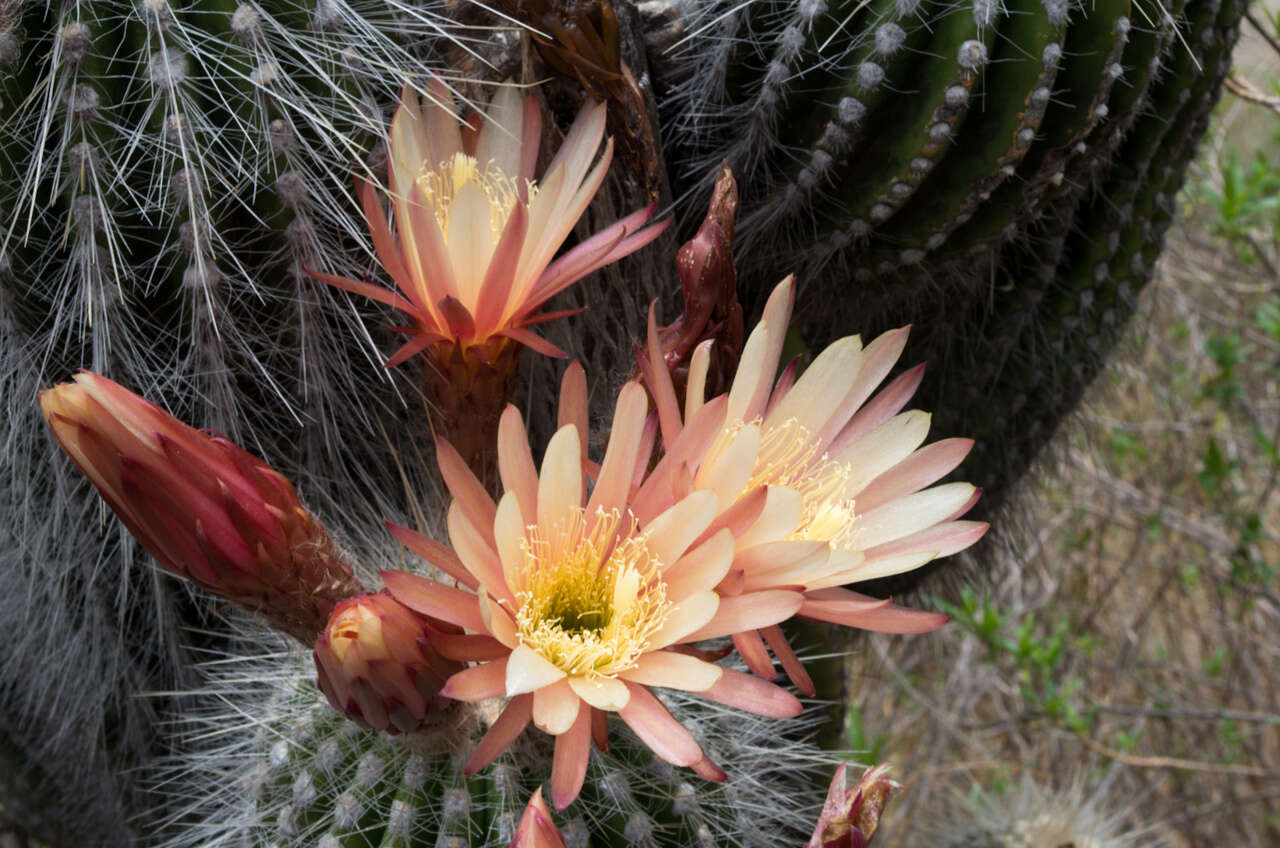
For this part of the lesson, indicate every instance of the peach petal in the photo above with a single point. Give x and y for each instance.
(508, 536)
(556, 707)
(684, 618)
(498, 621)
(673, 670)
(785, 563)
(780, 516)
(701, 568)
(910, 514)
(494, 294)
(698, 433)
(708, 770)
(670, 534)
(819, 391)
(515, 462)
(434, 553)
(478, 683)
(944, 539)
(923, 468)
(569, 762)
(510, 724)
(872, 569)
(476, 553)
(695, 393)
(749, 611)
(527, 671)
(754, 695)
(883, 448)
(560, 482)
(728, 474)
(468, 492)
(664, 394)
(776, 317)
(621, 455)
(656, 728)
(878, 359)
(603, 693)
(887, 403)
(434, 599)
(469, 647)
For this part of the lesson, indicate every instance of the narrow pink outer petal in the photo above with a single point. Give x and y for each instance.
(435, 553)
(515, 462)
(573, 403)
(384, 244)
(657, 492)
(656, 728)
(749, 612)
(529, 141)
(664, 394)
(495, 288)
(468, 492)
(368, 290)
(790, 662)
(510, 724)
(695, 392)
(569, 762)
(754, 695)
(478, 683)
(753, 652)
(942, 539)
(469, 647)
(842, 606)
(777, 315)
(434, 599)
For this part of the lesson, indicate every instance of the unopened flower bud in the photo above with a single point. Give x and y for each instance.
(204, 508)
(376, 664)
(537, 830)
(850, 817)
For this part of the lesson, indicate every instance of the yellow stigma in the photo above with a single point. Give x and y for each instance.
(790, 457)
(442, 183)
(591, 596)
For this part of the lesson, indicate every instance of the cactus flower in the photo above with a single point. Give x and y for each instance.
(834, 466)
(474, 243)
(536, 829)
(375, 662)
(204, 508)
(476, 233)
(850, 817)
(574, 608)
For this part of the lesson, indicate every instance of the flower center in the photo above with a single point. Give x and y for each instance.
(442, 183)
(592, 593)
(790, 457)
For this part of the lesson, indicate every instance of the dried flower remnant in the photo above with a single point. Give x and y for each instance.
(851, 816)
(574, 608)
(474, 242)
(832, 465)
(376, 664)
(204, 508)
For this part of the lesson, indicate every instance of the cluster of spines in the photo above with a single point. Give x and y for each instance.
(284, 770)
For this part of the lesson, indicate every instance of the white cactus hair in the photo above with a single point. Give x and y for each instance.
(259, 757)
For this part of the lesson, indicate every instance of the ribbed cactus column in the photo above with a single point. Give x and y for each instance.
(949, 167)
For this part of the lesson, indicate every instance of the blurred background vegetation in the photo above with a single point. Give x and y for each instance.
(1115, 679)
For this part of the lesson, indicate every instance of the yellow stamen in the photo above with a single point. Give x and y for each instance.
(789, 456)
(591, 594)
(442, 182)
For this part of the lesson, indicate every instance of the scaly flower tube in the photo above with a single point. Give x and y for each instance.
(830, 465)
(574, 608)
(851, 815)
(204, 508)
(472, 256)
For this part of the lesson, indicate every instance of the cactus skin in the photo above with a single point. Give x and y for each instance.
(301, 775)
(172, 168)
(970, 189)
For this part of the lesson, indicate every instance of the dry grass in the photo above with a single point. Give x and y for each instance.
(1129, 673)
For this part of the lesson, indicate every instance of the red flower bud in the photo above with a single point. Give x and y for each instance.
(536, 828)
(204, 508)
